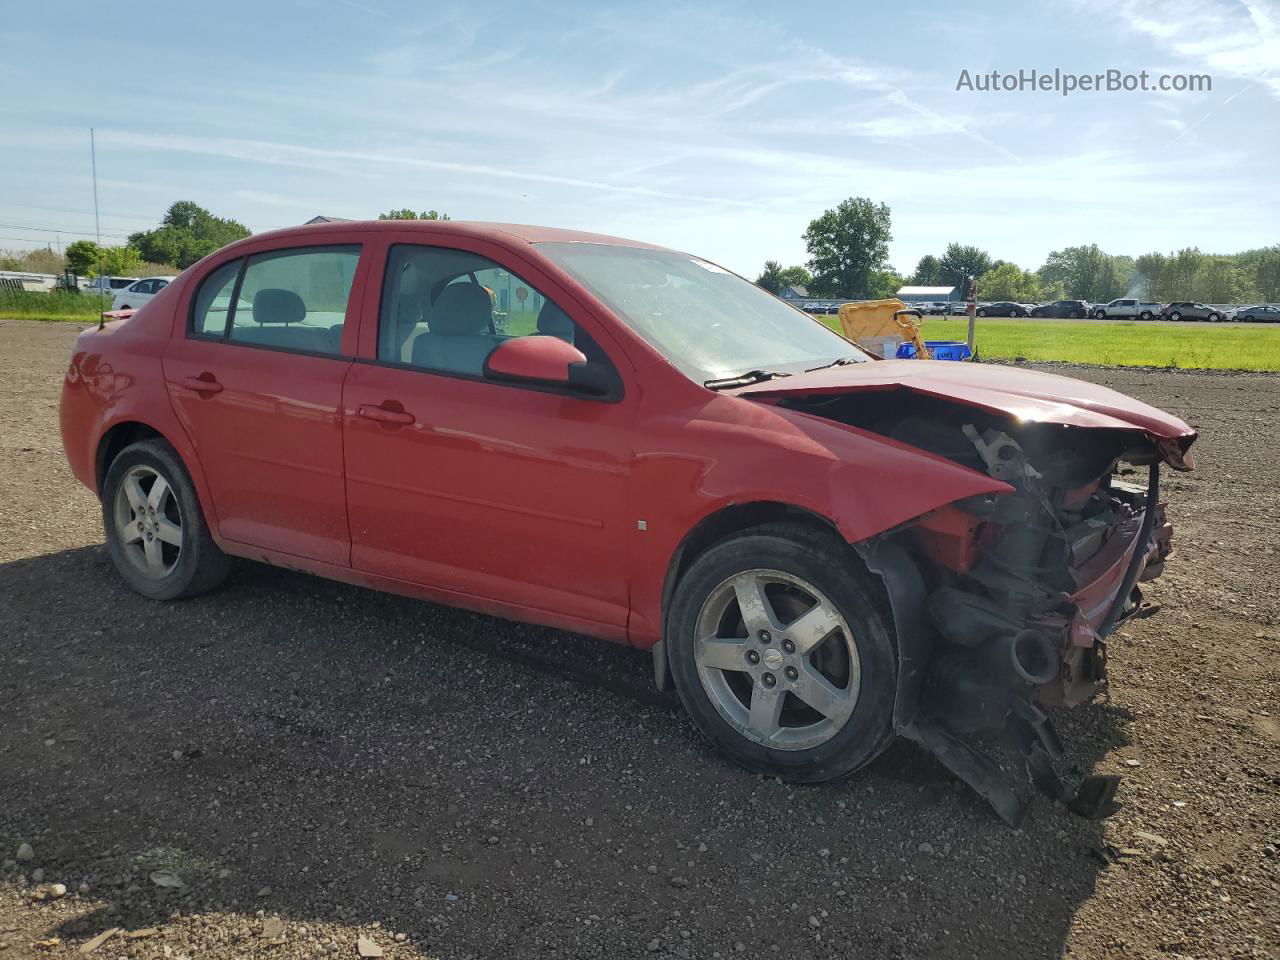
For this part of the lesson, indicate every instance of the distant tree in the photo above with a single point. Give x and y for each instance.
(82, 257)
(846, 244)
(1220, 280)
(187, 233)
(118, 261)
(796, 277)
(1265, 267)
(928, 272)
(959, 263)
(1009, 282)
(770, 277)
(1087, 273)
(407, 214)
(882, 284)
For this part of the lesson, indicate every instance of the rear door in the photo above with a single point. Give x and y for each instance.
(256, 379)
(509, 497)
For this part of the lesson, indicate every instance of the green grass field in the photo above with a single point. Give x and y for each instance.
(1139, 344)
(59, 305)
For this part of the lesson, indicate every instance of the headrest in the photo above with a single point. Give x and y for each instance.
(272, 305)
(462, 308)
(554, 322)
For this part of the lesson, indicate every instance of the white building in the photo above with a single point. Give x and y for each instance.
(926, 294)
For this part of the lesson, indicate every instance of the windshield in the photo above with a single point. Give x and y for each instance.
(707, 321)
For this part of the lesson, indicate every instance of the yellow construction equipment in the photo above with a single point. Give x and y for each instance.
(881, 326)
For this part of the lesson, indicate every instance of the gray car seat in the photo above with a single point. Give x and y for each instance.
(279, 314)
(459, 339)
(554, 322)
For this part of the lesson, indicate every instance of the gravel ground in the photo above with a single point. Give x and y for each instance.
(316, 764)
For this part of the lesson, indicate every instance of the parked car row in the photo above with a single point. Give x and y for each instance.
(1122, 308)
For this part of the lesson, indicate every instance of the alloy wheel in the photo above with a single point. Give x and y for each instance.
(777, 660)
(148, 521)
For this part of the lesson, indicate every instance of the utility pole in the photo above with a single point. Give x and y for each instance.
(93, 159)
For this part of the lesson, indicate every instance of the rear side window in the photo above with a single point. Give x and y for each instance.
(212, 307)
(286, 299)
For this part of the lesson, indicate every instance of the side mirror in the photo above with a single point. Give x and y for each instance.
(535, 359)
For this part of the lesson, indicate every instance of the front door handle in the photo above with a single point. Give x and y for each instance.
(384, 415)
(202, 384)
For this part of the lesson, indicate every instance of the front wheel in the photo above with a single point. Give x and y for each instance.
(1100, 315)
(155, 530)
(782, 654)
(1214, 317)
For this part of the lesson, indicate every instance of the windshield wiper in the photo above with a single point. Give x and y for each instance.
(743, 379)
(839, 362)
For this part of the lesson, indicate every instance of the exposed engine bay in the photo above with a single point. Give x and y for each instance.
(1008, 598)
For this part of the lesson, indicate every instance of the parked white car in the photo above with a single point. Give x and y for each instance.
(107, 284)
(1134, 309)
(138, 293)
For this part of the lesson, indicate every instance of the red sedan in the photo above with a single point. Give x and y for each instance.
(822, 549)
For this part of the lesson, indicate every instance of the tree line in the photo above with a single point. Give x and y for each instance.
(187, 233)
(848, 251)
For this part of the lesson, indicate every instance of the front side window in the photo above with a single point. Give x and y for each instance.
(710, 323)
(294, 299)
(445, 310)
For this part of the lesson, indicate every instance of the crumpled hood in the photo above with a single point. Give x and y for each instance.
(1027, 395)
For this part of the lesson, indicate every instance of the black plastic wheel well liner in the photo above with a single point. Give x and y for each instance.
(115, 440)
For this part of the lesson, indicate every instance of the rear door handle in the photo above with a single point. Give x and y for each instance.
(201, 384)
(383, 415)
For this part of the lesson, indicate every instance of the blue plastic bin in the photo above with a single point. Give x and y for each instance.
(938, 349)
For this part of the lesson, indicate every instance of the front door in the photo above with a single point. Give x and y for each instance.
(511, 496)
(256, 380)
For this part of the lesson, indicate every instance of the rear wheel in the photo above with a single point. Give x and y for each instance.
(1145, 315)
(1077, 314)
(155, 531)
(782, 654)
(982, 313)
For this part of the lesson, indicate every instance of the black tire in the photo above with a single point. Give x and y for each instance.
(982, 313)
(827, 563)
(1099, 314)
(1016, 313)
(199, 565)
(1175, 316)
(1214, 317)
(1145, 315)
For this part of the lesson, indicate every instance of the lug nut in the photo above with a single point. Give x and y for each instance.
(753, 657)
(769, 679)
(788, 646)
(791, 673)
(765, 637)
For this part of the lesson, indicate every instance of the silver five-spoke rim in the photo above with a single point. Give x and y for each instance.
(148, 522)
(777, 660)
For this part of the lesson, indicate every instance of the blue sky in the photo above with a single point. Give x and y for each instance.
(716, 128)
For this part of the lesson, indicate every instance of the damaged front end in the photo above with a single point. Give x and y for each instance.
(1003, 602)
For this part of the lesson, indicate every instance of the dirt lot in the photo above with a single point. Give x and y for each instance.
(331, 764)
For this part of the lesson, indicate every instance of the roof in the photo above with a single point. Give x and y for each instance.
(925, 291)
(324, 219)
(498, 232)
(798, 290)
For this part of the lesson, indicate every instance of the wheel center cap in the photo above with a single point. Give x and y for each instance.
(772, 658)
